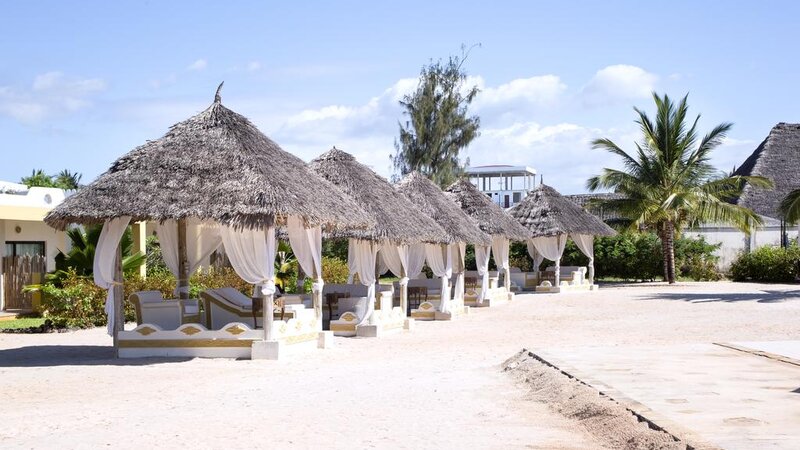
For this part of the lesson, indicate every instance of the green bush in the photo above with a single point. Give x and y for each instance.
(79, 303)
(773, 264)
(334, 270)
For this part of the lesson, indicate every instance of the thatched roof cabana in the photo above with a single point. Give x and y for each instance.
(777, 158)
(435, 203)
(396, 219)
(491, 218)
(214, 166)
(545, 212)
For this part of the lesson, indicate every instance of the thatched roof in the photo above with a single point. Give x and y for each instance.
(435, 203)
(491, 218)
(777, 158)
(545, 212)
(214, 166)
(396, 218)
(593, 203)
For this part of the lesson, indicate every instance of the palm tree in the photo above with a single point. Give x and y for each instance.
(80, 257)
(68, 180)
(668, 182)
(790, 207)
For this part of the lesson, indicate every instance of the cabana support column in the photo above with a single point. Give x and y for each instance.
(183, 262)
(119, 303)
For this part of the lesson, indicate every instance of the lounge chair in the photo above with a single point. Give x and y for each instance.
(226, 305)
(152, 308)
(351, 311)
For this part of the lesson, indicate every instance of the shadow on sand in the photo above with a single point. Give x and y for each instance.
(72, 355)
(765, 296)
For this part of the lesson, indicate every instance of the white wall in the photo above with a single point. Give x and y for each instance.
(734, 241)
(36, 231)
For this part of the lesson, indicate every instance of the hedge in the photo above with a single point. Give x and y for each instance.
(771, 264)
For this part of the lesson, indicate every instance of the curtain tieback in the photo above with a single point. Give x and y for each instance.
(317, 286)
(267, 287)
(403, 281)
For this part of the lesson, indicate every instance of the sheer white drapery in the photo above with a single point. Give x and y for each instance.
(104, 264)
(535, 255)
(585, 243)
(380, 265)
(364, 254)
(202, 239)
(552, 247)
(396, 259)
(482, 253)
(252, 255)
(307, 248)
(500, 251)
(459, 251)
(440, 261)
(416, 260)
(352, 267)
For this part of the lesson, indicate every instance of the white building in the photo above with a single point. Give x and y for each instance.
(505, 185)
(22, 229)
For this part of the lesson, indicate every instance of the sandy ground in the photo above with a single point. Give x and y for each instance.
(440, 386)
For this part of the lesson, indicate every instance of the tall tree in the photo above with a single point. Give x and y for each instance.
(669, 182)
(439, 125)
(68, 180)
(38, 178)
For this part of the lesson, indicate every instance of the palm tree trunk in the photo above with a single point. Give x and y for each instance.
(668, 246)
(664, 249)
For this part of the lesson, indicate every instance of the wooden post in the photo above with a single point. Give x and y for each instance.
(119, 304)
(183, 262)
(139, 231)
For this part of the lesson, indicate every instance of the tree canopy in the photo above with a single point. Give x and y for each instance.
(63, 180)
(438, 124)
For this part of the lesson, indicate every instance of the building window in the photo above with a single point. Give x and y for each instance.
(24, 248)
(517, 197)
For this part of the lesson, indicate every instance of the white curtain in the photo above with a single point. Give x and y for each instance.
(380, 264)
(396, 259)
(352, 266)
(252, 255)
(307, 248)
(365, 254)
(202, 239)
(104, 267)
(440, 261)
(585, 243)
(535, 255)
(482, 253)
(459, 251)
(416, 260)
(500, 251)
(552, 247)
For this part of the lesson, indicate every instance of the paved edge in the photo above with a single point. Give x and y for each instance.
(773, 356)
(653, 419)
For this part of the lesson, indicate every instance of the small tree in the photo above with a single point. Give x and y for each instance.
(438, 125)
(63, 180)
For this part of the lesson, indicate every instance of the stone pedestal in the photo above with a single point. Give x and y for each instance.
(368, 330)
(269, 350)
(325, 339)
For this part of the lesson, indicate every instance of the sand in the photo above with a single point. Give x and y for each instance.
(441, 386)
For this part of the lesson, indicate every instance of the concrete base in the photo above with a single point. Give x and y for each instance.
(466, 310)
(368, 330)
(269, 350)
(443, 316)
(325, 339)
(409, 324)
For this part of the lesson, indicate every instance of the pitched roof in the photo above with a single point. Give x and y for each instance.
(491, 218)
(444, 211)
(214, 166)
(777, 158)
(545, 212)
(396, 218)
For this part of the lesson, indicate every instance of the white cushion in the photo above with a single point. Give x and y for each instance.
(234, 296)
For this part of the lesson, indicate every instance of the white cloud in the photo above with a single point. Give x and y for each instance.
(538, 90)
(50, 94)
(200, 64)
(252, 66)
(618, 83)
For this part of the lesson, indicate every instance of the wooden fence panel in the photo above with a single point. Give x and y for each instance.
(18, 272)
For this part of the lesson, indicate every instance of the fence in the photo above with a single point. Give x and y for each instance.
(19, 271)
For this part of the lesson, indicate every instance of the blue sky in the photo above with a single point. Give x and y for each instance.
(81, 83)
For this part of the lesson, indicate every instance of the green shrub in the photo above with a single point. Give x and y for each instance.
(773, 264)
(79, 303)
(334, 270)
